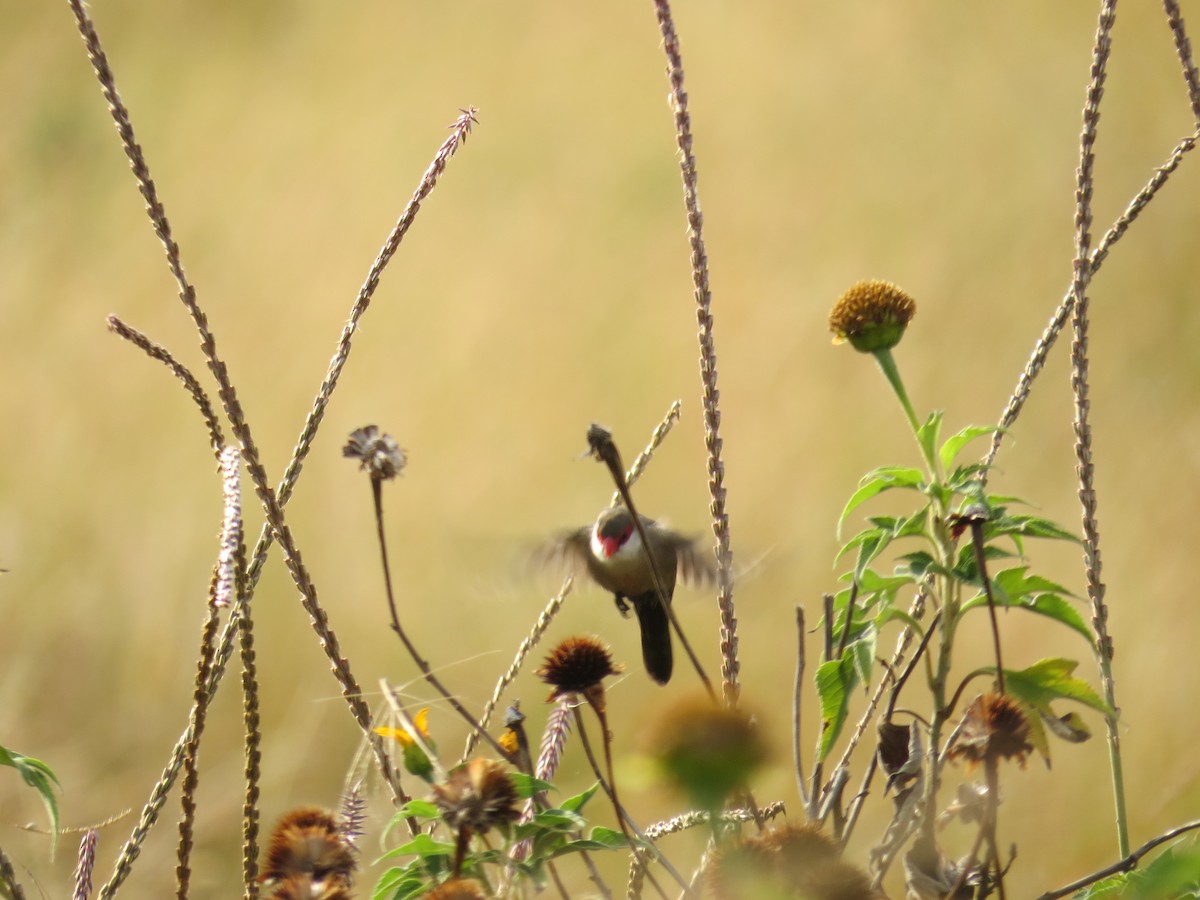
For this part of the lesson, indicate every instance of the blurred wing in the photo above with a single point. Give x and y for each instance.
(697, 566)
(566, 552)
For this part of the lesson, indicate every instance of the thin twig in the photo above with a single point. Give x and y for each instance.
(191, 772)
(981, 564)
(708, 355)
(530, 641)
(656, 438)
(1080, 388)
(797, 694)
(426, 670)
(1184, 48)
(1058, 320)
(1127, 864)
(216, 438)
(623, 817)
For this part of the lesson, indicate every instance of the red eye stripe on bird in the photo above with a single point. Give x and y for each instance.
(611, 552)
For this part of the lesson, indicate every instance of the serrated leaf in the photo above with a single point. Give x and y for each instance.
(398, 884)
(867, 534)
(871, 582)
(953, 446)
(908, 619)
(421, 845)
(418, 809)
(876, 482)
(576, 803)
(599, 839)
(862, 652)
(1027, 526)
(834, 680)
(527, 786)
(929, 432)
(1049, 605)
(1051, 679)
(557, 820)
(920, 562)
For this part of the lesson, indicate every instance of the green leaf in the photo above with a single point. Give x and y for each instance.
(41, 778)
(877, 481)
(1050, 605)
(576, 803)
(907, 618)
(418, 809)
(927, 434)
(835, 679)
(1051, 679)
(527, 786)
(949, 451)
(599, 839)
(398, 884)
(421, 845)
(862, 654)
(1174, 873)
(1026, 526)
(556, 820)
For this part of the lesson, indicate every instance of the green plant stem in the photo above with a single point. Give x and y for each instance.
(888, 364)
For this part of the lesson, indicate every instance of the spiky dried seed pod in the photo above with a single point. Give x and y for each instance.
(576, 665)
(479, 796)
(458, 889)
(791, 861)
(872, 316)
(377, 454)
(708, 750)
(995, 727)
(308, 857)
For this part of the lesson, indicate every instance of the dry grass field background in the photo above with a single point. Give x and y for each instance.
(546, 285)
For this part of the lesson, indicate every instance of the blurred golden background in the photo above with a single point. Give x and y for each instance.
(546, 285)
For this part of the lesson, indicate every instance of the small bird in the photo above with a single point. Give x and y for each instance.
(612, 552)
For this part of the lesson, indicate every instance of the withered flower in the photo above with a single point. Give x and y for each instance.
(790, 861)
(995, 727)
(578, 665)
(478, 796)
(458, 889)
(708, 750)
(872, 316)
(308, 857)
(377, 453)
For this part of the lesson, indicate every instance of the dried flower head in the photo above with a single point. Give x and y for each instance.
(307, 857)
(995, 727)
(708, 750)
(792, 861)
(458, 889)
(872, 316)
(577, 665)
(377, 453)
(478, 796)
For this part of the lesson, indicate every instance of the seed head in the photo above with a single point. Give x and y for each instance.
(577, 665)
(872, 316)
(377, 453)
(307, 857)
(708, 750)
(995, 727)
(792, 861)
(479, 796)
